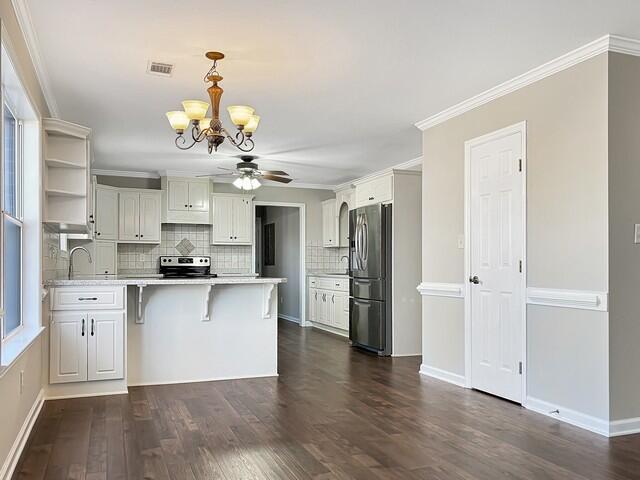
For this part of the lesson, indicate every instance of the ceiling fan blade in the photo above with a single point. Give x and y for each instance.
(273, 172)
(218, 175)
(276, 179)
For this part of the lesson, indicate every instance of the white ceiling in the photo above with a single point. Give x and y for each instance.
(339, 84)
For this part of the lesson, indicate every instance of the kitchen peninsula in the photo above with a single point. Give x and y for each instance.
(108, 333)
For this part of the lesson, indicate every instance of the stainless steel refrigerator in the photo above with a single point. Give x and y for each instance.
(370, 278)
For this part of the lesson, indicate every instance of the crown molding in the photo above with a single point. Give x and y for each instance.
(123, 173)
(31, 40)
(408, 165)
(607, 43)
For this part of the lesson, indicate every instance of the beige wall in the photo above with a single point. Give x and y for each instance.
(624, 255)
(567, 222)
(15, 405)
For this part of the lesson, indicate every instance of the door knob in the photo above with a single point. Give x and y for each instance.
(474, 279)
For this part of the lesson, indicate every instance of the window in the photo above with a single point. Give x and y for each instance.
(11, 222)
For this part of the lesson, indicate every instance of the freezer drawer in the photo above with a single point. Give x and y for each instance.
(367, 323)
(367, 288)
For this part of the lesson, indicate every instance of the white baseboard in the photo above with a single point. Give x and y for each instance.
(18, 445)
(400, 355)
(289, 318)
(327, 328)
(86, 395)
(443, 375)
(567, 415)
(627, 426)
(200, 380)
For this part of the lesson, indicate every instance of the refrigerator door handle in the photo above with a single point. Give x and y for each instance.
(365, 239)
(359, 242)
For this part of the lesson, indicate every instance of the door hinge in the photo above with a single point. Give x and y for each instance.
(520, 266)
(520, 368)
(519, 164)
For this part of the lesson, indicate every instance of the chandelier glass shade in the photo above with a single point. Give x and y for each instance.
(210, 129)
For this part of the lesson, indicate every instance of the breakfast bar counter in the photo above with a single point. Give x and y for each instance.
(174, 330)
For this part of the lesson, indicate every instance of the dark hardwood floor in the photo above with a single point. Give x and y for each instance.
(332, 413)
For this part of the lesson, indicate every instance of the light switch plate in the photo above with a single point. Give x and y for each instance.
(636, 236)
(461, 242)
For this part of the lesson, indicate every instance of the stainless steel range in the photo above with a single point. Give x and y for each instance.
(185, 267)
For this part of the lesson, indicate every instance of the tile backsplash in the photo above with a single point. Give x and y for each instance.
(55, 262)
(319, 258)
(183, 239)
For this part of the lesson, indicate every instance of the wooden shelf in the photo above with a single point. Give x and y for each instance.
(64, 193)
(54, 162)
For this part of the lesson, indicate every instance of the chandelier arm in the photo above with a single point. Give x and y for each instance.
(200, 136)
(241, 141)
(181, 143)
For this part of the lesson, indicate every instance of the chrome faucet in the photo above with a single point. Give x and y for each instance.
(71, 252)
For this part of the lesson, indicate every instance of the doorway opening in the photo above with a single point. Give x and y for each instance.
(279, 251)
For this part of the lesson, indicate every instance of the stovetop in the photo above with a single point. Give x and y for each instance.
(172, 266)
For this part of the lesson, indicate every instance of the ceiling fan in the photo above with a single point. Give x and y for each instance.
(249, 175)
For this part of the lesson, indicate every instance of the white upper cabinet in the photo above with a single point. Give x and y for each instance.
(139, 216)
(377, 190)
(105, 258)
(150, 226)
(185, 200)
(178, 194)
(199, 196)
(329, 224)
(106, 213)
(129, 221)
(232, 219)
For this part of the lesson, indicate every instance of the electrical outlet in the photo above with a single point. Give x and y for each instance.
(636, 236)
(461, 241)
(21, 381)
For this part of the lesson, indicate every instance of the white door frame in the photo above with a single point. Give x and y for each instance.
(303, 228)
(521, 128)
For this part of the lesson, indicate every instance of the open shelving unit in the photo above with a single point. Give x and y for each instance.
(67, 181)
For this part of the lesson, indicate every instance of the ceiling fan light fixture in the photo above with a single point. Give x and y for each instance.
(240, 114)
(238, 183)
(195, 109)
(255, 183)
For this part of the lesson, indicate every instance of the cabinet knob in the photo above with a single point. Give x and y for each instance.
(190, 206)
(141, 235)
(98, 233)
(186, 205)
(136, 235)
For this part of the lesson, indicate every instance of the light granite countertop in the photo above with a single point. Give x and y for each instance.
(327, 274)
(129, 280)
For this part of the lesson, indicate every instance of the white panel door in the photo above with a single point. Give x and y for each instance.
(199, 196)
(496, 252)
(129, 216)
(222, 227)
(68, 347)
(105, 354)
(150, 217)
(106, 214)
(178, 195)
(105, 261)
(242, 221)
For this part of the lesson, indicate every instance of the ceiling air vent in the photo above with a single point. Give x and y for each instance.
(159, 68)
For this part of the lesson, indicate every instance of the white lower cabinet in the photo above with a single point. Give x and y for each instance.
(329, 302)
(86, 344)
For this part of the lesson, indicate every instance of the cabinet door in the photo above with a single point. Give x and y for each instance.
(322, 314)
(341, 311)
(313, 304)
(222, 227)
(199, 196)
(68, 347)
(382, 189)
(178, 194)
(329, 224)
(150, 217)
(105, 258)
(129, 216)
(242, 220)
(105, 354)
(106, 214)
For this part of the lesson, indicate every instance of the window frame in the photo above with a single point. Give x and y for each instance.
(17, 220)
